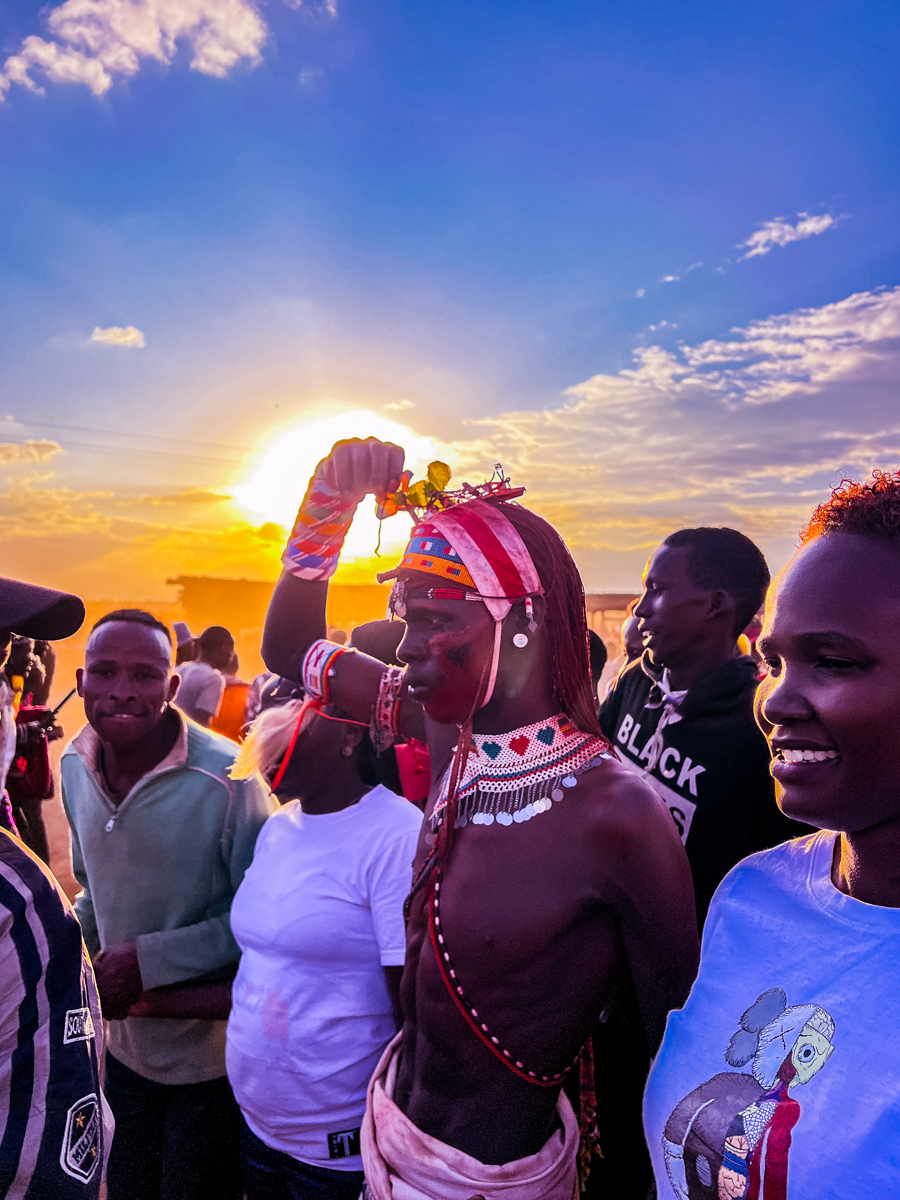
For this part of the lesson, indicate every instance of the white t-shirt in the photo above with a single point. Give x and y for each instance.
(201, 691)
(319, 913)
(785, 1061)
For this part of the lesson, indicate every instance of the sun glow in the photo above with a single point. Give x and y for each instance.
(278, 480)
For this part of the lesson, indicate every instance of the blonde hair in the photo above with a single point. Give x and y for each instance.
(267, 741)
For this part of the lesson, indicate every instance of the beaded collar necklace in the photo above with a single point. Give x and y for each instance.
(512, 777)
(509, 778)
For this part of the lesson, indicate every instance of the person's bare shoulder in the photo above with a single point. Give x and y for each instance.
(624, 818)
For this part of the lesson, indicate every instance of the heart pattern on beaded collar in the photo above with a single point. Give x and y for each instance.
(520, 744)
(491, 749)
(546, 735)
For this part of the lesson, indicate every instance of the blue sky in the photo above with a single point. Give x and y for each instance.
(445, 212)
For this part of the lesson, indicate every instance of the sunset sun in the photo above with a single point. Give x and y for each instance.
(278, 478)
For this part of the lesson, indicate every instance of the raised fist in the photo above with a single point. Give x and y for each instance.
(359, 466)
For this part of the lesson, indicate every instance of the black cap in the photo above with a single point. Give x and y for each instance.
(39, 612)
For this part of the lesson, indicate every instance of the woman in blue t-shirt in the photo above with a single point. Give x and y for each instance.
(780, 1078)
(319, 919)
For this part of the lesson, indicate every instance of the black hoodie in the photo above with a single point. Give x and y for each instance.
(711, 764)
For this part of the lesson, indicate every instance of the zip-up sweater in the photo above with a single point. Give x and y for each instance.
(161, 869)
(710, 764)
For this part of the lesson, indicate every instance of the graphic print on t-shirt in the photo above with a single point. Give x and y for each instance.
(731, 1136)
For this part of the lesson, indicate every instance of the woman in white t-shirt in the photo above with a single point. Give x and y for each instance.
(319, 919)
(780, 1078)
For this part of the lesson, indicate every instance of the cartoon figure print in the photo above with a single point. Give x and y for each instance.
(731, 1137)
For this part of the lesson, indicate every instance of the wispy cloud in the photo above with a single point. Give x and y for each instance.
(91, 41)
(669, 279)
(751, 430)
(29, 451)
(780, 232)
(117, 336)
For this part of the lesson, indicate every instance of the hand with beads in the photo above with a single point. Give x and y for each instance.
(352, 470)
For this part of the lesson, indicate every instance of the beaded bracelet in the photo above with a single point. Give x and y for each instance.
(385, 727)
(318, 667)
(315, 544)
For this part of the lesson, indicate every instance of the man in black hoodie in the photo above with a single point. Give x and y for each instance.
(682, 715)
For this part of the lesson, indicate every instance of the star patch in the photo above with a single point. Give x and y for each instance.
(80, 1155)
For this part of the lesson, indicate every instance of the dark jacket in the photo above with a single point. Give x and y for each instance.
(711, 768)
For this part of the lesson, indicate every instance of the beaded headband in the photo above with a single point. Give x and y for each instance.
(474, 545)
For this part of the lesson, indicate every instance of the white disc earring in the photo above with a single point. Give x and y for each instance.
(520, 641)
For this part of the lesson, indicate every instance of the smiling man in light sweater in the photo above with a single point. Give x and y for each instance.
(161, 838)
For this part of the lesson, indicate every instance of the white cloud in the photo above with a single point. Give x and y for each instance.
(669, 279)
(640, 292)
(29, 451)
(693, 267)
(398, 406)
(95, 40)
(117, 336)
(752, 430)
(780, 232)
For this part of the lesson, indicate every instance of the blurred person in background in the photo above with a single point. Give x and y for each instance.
(597, 656)
(161, 837)
(203, 680)
(631, 646)
(231, 718)
(682, 715)
(40, 679)
(29, 781)
(185, 645)
(55, 1127)
(253, 706)
(319, 919)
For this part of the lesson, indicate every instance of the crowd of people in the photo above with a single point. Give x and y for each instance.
(417, 914)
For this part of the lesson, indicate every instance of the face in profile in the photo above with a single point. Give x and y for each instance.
(447, 647)
(672, 611)
(831, 699)
(127, 681)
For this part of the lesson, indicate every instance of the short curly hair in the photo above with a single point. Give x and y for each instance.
(871, 508)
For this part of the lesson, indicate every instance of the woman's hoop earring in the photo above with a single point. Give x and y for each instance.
(520, 641)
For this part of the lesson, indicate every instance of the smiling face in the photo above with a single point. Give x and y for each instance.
(447, 646)
(831, 641)
(127, 681)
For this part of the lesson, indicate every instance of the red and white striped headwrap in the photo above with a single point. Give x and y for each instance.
(492, 551)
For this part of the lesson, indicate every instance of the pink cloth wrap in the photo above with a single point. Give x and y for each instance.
(403, 1163)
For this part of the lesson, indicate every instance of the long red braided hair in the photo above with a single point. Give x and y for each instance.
(566, 619)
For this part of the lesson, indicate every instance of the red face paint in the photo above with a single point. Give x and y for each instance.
(447, 647)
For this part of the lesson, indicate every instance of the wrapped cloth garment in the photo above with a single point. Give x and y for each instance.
(403, 1163)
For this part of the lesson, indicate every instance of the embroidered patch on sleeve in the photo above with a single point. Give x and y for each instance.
(79, 1026)
(80, 1155)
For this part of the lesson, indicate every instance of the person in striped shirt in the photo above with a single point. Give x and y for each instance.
(56, 1125)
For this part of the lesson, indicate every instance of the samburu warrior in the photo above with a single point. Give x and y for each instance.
(548, 881)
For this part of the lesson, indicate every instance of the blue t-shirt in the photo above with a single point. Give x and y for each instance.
(780, 1078)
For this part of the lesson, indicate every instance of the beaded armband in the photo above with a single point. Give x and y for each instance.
(318, 667)
(385, 727)
(315, 544)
